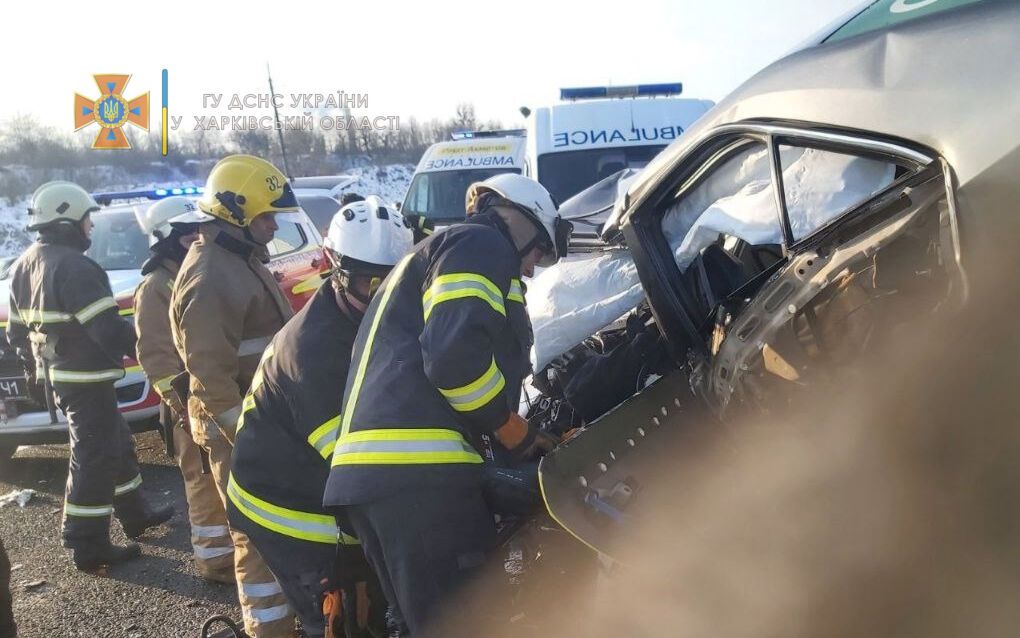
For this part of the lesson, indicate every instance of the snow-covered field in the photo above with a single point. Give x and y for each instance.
(388, 182)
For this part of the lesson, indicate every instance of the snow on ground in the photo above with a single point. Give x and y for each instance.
(389, 182)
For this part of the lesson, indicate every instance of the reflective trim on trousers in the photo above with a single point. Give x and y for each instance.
(269, 614)
(256, 345)
(403, 447)
(87, 511)
(163, 385)
(72, 376)
(209, 531)
(208, 553)
(460, 286)
(318, 528)
(94, 308)
(260, 590)
(124, 488)
(477, 393)
(323, 438)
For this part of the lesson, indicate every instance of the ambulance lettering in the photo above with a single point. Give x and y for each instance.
(592, 137)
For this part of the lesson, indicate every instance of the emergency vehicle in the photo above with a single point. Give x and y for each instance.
(598, 131)
(446, 170)
(120, 247)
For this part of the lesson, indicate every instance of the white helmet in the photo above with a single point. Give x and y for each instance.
(534, 201)
(59, 201)
(369, 232)
(157, 220)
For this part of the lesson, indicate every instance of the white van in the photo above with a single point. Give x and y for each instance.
(598, 131)
(446, 170)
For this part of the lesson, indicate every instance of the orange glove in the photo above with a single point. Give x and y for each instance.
(524, 442)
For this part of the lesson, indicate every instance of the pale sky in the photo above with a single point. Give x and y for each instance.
(419, 58)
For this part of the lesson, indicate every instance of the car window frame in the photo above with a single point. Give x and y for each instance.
(643, 220)
(304, 241)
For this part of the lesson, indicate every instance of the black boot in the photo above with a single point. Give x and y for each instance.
(151, 517)
(92, 556)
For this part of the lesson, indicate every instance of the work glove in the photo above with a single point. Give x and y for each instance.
(524, 442)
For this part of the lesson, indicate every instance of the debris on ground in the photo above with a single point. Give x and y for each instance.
(21, 497)
(33, 585)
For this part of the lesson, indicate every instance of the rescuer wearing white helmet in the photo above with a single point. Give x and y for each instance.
(290, 421)
(172, 226)
(433, 392)
(224, 310)
(64, 323)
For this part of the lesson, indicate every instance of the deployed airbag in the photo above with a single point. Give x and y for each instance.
(574, 299)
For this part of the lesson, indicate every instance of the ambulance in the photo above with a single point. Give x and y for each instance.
(596, 132)
(446, 170)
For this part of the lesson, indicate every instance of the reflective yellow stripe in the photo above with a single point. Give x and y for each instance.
(124, 488)
(308, 284)
(359, 376)
(256, 381)
(318, 528)
(133, 369)
(516, 291)
(477, 393)
(460, 286)
(87, 511)
(403, 447)
(124, 312)
(163, 386)
(71, 376)
(94, 308)
(323, 438)
(31, 315)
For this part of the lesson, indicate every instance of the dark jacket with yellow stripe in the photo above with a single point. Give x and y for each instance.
(289, 425)
(58, 291)
(437, 366)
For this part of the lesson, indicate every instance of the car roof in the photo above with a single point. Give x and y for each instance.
(941, 81)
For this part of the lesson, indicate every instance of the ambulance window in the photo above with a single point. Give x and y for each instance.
(820, 185)
(288, 239)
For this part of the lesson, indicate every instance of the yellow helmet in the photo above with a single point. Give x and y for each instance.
(242, 187)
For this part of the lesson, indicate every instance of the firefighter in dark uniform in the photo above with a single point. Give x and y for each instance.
(290, 419)
(64, 319)
(434, 386)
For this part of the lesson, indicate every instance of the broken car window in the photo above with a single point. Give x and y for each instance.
(820, 185)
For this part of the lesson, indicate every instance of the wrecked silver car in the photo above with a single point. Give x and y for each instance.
(808, 219)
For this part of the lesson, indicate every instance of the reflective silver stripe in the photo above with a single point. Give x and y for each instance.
(516, 291)
(409, 447)
(31, 315)
(261, 590)
(71, 376)
(205, 553)
(94, 308)
(249, 347)
(124, 488)
(209, 531)
(458, 286)
(269, 614)
(478, 393)
(88, 511)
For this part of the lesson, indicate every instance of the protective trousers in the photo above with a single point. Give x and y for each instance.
(210, 536)
(263, 605)
(425, 546)
(7, 627)
(103, 476)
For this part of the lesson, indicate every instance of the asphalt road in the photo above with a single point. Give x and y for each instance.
(157, 595)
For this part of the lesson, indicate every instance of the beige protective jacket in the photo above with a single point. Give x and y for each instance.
(225, 308)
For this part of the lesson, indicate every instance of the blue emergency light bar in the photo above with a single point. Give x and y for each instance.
(634, 90)
(105, 199)
(470, 135)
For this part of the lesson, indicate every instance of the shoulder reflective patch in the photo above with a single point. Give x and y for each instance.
(477, 393)
(460, 286)
(94, 308)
